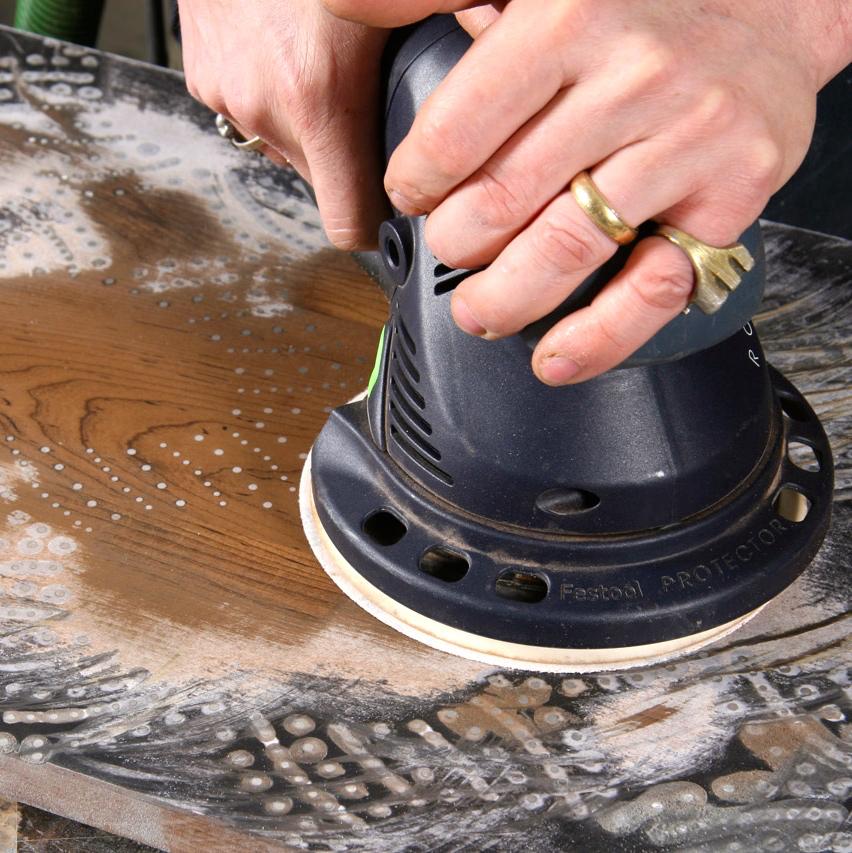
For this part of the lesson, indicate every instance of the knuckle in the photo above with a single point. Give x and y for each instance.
(505, 203)
(492, 305)
(347, 239)
(666, 289)
(613, 339)
(658, 64)
(245, 108)
(651, 62)
(763, 161)
(498, 321)
(312, 126)
(343, 227)
(718, 107)
(305, 92)
(441, 140)
(442, 245)
(566, 21)
(565, 243)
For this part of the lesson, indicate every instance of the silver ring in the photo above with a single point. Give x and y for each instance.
(227, 131)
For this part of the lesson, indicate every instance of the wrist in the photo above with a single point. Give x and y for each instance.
(822, 29)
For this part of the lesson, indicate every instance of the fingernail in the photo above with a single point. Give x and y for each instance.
(403, 203)
(465, 320)
(558, 369)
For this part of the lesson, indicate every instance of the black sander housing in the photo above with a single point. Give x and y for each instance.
(628, 518)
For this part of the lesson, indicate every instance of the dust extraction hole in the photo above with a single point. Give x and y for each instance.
(793, 408)
(384, 528)
(521, 586)
(563, 502)
(445, 564)
(803, 456)
(792, 504)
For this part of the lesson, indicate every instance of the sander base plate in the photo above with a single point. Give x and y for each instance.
(500, 653)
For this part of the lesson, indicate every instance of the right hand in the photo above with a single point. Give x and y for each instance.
(308, 84)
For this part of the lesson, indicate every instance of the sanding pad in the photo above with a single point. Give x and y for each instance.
(468, 645)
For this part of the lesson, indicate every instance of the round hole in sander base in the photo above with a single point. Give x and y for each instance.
(445, 638)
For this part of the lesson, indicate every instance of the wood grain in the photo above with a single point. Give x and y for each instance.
(173, 332)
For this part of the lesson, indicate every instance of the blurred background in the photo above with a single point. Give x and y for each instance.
(140, 29)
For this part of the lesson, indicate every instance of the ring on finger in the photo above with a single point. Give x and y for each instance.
(595, 205)
(715, 275)
(226, 130)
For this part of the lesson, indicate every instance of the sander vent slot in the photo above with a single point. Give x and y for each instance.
(791, 504)
(408, 427)
(408, 365)
(803, 456)
(404, 385)
(402, 403)
(412, 434)
(406, 337)
(444, 563)
(384, 527)
(521, 586)
(402, 358)
(448, 279)
(406, 447)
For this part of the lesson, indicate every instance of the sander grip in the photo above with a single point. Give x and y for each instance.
(416, 60)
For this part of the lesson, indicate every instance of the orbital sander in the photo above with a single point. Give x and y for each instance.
(632, 517)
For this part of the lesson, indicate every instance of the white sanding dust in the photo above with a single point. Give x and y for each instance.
(468, 645)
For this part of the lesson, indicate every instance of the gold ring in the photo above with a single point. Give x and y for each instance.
(715, 275)
(228, 131)
(600, 211)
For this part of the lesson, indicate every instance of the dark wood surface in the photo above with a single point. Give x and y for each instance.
(174, 665)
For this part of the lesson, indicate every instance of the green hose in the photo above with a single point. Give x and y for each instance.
(70, 20)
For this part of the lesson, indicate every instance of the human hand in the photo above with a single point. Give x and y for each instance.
(308, 84)
(691, 112)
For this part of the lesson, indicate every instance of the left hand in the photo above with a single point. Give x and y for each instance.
(690, 112)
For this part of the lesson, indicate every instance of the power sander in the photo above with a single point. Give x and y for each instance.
(636, 516)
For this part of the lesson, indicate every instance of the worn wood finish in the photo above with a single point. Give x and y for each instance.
(8, 827)
(173, 331)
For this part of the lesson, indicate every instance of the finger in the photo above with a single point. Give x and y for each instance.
(561, 247)
(347, 181)
(337, 136)
(474, 21)
(393, 13)
(669, 173)
(479, 218)
(652, 289)
(284, 151)
(491, 92)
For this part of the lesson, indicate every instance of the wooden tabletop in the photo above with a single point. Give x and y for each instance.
(174, 665)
